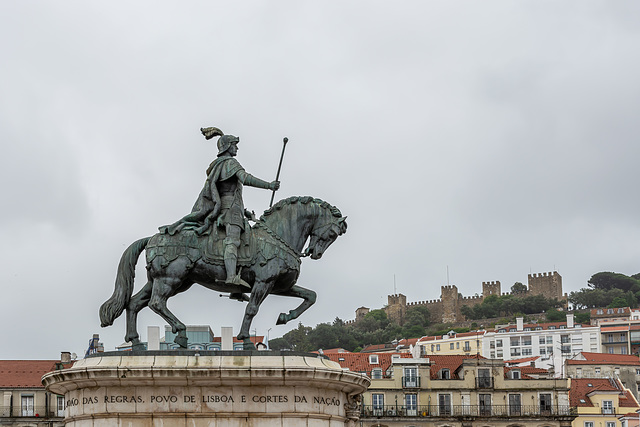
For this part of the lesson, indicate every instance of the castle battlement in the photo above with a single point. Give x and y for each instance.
(447, 308)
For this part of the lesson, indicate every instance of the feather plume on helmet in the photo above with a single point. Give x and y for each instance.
(223, 142)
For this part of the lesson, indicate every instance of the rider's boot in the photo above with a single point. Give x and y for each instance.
(230, 263)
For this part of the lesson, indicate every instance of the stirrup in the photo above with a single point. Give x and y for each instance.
(237, 280)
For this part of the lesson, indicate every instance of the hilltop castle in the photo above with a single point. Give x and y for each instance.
(447, 309)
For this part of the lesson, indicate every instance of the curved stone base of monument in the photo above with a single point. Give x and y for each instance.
(213, 389)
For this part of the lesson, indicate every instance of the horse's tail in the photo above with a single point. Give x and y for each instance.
(114, 306)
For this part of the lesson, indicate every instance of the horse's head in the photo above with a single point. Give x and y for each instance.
(324, 234)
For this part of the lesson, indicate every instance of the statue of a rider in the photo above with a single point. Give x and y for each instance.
(220, 201)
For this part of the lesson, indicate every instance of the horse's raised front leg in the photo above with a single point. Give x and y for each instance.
(307, 295)
(163, 288)
(137, 303)
(259, 292)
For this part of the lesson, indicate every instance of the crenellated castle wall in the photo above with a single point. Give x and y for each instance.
(447, 308)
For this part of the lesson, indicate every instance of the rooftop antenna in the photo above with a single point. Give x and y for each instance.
(447, 275)
(394, 285)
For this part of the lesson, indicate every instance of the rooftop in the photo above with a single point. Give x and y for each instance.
(25, 373)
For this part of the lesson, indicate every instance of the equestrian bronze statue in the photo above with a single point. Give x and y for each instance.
(216, 247)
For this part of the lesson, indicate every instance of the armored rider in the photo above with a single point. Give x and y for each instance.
(220, 202)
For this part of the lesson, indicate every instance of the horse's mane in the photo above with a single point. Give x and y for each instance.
(302, 200)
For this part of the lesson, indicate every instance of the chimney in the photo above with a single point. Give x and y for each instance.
(153, 337)
(65, 357)
(570, 321)
(519, 323)
(227, 337)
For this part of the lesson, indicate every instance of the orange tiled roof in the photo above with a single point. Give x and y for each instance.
(526, 372)
(25, 373)
(581, 387)
(359, 362)
(448, 361)
(629, 400)
(605, 359)
(523, 360)
(533, 326)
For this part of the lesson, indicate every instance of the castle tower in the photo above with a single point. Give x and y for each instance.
(491, 288)
(396, 308)
(548, 285)
(450, 305)
(361, 312)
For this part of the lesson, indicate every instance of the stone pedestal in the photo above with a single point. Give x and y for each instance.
(213, 389)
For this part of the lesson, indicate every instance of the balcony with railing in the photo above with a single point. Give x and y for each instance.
(482, 411)
(484, 382)
(29, 412)
(411, 382)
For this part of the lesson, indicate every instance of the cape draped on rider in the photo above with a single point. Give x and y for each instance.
(209, 204)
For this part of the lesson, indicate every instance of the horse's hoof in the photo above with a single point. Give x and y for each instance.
(248, 345)
(282, 319)
(181, 341)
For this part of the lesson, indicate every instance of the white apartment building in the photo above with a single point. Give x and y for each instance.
(553, 342)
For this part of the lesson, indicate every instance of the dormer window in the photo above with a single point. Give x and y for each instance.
(609, 310)
(600, 311)
(373, 359)
(445, 374)
(376, 374)
(515, 374)
(621, 310)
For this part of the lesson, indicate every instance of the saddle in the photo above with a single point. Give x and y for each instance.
(257, 245)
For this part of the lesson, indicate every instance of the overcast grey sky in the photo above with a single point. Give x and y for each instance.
(496, 138)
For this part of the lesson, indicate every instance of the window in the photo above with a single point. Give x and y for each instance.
(484, 378)
(578, 372)
(458, 344)
(444, 374)
(515, 342)
(545, 403)
(543, 351)
(538, 328)
(527, 329)
(60, 406)
(565, 339)
(542, 340)
(410, 377)
(621, 310)
(526, 340)
(611, 350)
(376, 374)
(565, 349)
(484, 402)
(451, 346)
(498, 343)
(411, 404)
(552, 327)
(377, 403)
(512, 329)
(623, 350)
(515, 352)
(515, 374)
(597, 370)
(27, 405)
(637, 371)
(607, 406)
(444, 404)
(588, 424)
(515, 404)
(611, 424)
(432, 347)
(467, 347)
(373, 359)
(599, 311)
(499, 354)
(437, 347)
(502, 330)
(526, 351)
(610, 311)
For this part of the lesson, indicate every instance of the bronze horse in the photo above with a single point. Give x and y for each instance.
(279, 238)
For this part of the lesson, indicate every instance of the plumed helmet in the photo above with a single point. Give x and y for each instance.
(224, 142)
